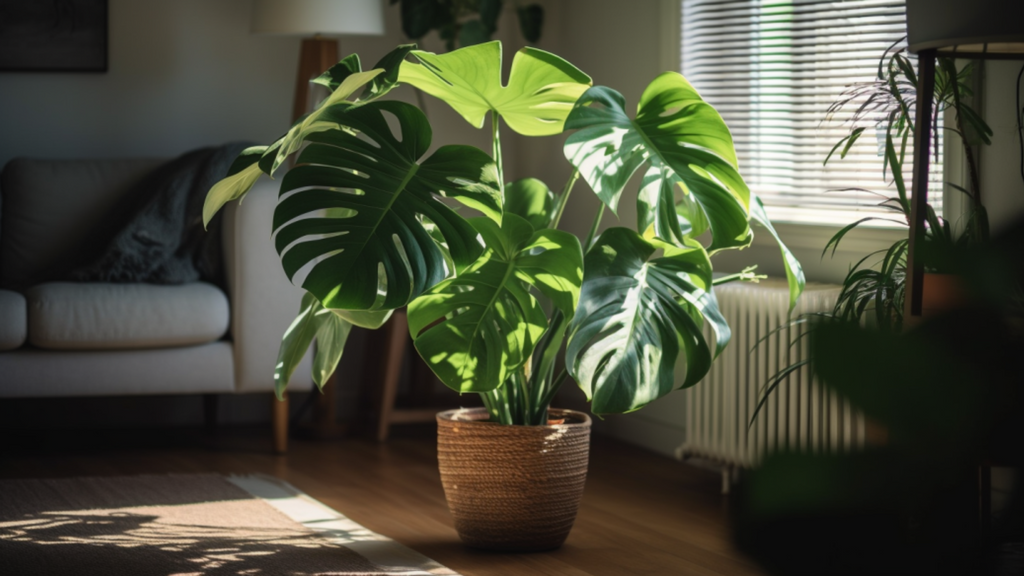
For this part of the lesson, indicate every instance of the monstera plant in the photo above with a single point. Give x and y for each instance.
(367, 220)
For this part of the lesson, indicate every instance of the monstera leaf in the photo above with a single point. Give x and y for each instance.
(541, 86)
(475, 329)
(356, 204)
(343, 79)
(314, 321)
(684, 142)
(635, 315)
(531, 199)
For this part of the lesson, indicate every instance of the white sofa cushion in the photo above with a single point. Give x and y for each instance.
(13, 320)
(103, 316)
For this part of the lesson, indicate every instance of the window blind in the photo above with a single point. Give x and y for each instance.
(772, 68)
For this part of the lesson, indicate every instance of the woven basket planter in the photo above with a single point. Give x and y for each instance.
(512, 487)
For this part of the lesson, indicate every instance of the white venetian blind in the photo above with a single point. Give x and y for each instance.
(772, 68)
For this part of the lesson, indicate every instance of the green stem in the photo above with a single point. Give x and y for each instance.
(556, 384)
(564, 198)
(593, 229)
(496, 146)
(747, 275)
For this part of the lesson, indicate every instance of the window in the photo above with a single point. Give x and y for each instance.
(772, 68)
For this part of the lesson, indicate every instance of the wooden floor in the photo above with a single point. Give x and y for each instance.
(641, 513)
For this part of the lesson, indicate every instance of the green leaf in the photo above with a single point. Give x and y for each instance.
(371, 319)
(476, 329)
(371, 248)
(635, 315)
(681, 138)
(313, 321)
(241, 176)
(420, 16)
(335, 75)
(490, 10)
(472, 33)
(530, 199)
(315, 121)
(794, 272)
(531, 20)
(540, 93)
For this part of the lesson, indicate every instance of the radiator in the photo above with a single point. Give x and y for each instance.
(801, 414)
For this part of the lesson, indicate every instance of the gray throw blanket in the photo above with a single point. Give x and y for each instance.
(162, 241)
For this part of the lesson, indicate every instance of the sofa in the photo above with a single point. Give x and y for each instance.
(60, 338)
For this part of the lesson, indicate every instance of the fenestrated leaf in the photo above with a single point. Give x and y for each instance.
(313, 321)
(683, 140)
(635, 315)
(241, 176)
(473, 330)
(794, 272)
(541, 86)
(530, 199)
(370, 245)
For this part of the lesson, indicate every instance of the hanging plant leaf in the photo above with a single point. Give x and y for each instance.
(531, 21)
(475, 329)
(490, 10)
(355, 207)
(473, 32)
(681, 138)
(635, 315)
(540, 93)
(420, 16)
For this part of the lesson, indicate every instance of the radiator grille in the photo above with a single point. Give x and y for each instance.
(801, 414)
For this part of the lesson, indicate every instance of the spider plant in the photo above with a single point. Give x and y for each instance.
(873, 290)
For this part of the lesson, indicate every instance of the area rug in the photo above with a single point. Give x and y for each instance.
(187, 525)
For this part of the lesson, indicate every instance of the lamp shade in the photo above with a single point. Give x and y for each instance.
(317, 17)
(967, 28)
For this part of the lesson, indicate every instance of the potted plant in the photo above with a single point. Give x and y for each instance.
(493, 300)
(873, 292)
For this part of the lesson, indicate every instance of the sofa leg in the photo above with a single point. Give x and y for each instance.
(279, 410)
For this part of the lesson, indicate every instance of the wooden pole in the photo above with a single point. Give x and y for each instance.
(919, 189)
(316, 55)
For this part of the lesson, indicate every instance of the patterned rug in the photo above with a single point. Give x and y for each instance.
(187, 525)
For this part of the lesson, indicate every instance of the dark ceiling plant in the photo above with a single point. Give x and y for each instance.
(463, 23)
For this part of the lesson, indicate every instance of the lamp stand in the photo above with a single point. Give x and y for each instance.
(919, 189)
(317, 54)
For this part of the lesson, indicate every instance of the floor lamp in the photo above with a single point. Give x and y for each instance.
(974, 29)
(319, 23)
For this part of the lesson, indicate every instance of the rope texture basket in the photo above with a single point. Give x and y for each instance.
(513, 487)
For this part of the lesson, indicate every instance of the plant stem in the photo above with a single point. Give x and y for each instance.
(593, 229)
(564, 198)
(496, 146)
(747, 275)
(556, 384)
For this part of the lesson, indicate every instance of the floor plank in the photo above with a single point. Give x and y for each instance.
(641, 513)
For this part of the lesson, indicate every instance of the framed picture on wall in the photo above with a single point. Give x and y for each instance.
(53, 35)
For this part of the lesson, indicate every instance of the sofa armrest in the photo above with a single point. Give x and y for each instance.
(263, 301)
